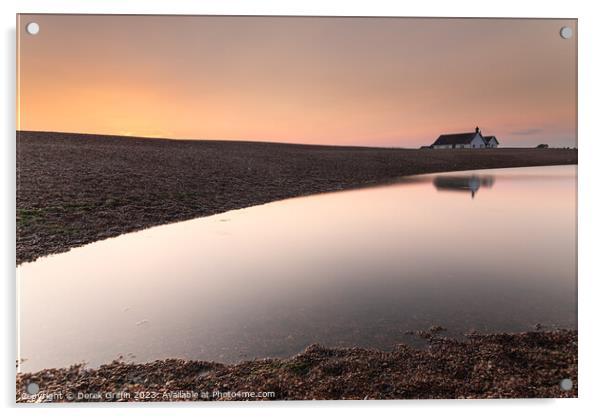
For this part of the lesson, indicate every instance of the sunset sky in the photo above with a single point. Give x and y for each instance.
(364, 81)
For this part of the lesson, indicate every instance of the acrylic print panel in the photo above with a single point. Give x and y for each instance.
(294, 208)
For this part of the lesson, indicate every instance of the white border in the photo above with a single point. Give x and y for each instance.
(589, 171)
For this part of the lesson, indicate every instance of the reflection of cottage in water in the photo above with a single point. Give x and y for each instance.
(470, 183)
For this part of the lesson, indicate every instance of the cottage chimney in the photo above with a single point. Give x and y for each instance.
(477, 129)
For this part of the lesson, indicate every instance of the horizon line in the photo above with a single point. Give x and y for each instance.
(214, 140)
(262, 141)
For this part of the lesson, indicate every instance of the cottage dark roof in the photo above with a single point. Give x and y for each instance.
(488, 139)
(456, 138)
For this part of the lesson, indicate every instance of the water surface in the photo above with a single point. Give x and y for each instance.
(490, 250)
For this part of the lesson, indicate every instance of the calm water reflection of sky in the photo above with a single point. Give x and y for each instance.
(490, 250)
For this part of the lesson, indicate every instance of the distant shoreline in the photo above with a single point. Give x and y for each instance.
(222, 140)
(520, 365)
(74, 189)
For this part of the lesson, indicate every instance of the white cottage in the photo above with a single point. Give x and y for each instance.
(465, 141)
(491, 141)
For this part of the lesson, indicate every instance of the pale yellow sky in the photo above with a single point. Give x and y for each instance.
(365, 81)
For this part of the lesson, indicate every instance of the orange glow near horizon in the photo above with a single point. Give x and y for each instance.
(351, 81)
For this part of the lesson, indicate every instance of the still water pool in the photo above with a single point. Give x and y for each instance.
(490, 250)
